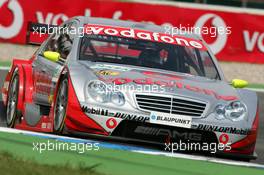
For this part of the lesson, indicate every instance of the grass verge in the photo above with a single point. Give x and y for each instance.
(256, 86)
(5, 63)
(105, 160)
(11, 165)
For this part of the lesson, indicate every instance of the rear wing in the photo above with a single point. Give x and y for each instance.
(37, 32)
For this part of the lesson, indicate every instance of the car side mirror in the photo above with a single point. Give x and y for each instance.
(52, 56)
(237, 83)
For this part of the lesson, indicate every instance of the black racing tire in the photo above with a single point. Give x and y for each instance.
(12, 101)
(60, 106)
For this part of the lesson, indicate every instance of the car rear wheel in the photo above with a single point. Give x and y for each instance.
(11, 110)
(60, 106)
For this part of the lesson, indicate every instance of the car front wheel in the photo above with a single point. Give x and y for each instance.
(60, 106)
(11, 110)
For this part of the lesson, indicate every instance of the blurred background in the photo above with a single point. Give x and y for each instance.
(233, 3)
(241, 52)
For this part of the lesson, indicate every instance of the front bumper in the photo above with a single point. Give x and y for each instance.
(141, 131)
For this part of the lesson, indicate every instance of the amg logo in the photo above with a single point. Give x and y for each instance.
(85, 109)
(167, 132)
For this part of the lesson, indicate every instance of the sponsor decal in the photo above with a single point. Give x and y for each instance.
(43, 83)
(131, 117)
(161, 75)
(143, 35)
(111, 67)
(220, 39)
(231, 130)
(154, 131)
(224, 138)
(103, 112)
(111, 123)
(46, 125)
(14, 28)
(169, 84)
(107, 113)
(171, 119)
(50, 99)
(108, 72)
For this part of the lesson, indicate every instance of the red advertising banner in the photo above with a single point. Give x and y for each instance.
(232, 34)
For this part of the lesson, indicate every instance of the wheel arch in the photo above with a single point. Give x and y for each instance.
(24, 70)
(64, 73)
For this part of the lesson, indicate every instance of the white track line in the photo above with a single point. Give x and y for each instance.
(207, 159)
(256, 89)
(4, 68)
(158, 153)
(18, 131)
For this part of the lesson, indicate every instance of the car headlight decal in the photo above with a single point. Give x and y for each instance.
(220, 112)
(234, 111)
(99, 92)
(117, 98)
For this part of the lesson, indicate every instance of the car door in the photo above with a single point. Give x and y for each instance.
(42, 72)
(46, 72)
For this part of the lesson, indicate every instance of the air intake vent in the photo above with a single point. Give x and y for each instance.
(172, 105)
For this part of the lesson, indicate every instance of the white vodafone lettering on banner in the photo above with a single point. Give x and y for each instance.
(196, 44)
(117, 14)
(17, 23)
(51, 18)
(250, 43)
(128, 33)
(58, 17)
(110, 31)
(180, 41)
(145, 35)
(42, 20)
(167, 39)
(255, 40)
(155, 36)
(260, 42)
(96, 30)
(217, 21)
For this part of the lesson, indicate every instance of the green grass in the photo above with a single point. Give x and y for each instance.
(5, 63)
(11, 165)
(106, 161)
(256, 86)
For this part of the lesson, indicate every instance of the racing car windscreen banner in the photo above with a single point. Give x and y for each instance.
(233, 34)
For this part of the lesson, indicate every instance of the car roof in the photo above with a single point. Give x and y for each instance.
(131, 24)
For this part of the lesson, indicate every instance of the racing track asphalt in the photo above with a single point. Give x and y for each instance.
(260, 139)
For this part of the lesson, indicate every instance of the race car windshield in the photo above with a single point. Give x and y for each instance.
(103, 48)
